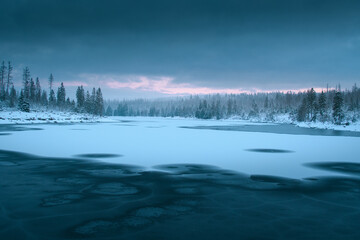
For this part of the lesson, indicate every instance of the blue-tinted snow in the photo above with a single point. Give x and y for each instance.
(148, 142)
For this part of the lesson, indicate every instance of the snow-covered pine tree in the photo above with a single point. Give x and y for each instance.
(32, 91)
(99, 103)
(44, 99)
(338, 113)
(52, 98)
(311, 104)
(87, 103)
(2, 81)
(12, 97)
(109, 111)
(92, 100)
(37, 91)
(26, 83)
(51, 82)
(61, 96)
(80, 98)
(322, 106)
(302, 111)
(9, 78)
(23, 103)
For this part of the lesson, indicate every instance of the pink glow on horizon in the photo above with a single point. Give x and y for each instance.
(165, 85)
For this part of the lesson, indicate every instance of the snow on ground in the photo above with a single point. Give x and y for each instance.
(38, 116)
(42, 116)
(355, 127)
(285, 118)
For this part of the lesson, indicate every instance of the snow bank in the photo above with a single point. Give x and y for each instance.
(285, 118)
(42, 116)
(326, 125)
(18, 117)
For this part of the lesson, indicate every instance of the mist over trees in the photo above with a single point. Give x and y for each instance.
(332, 105)
(33, 97)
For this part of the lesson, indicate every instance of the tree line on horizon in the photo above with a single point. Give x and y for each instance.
(32, 96)
(333, 105)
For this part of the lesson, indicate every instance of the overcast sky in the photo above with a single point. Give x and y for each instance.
(158, 48)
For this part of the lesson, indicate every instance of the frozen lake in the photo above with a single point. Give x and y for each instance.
(153, 178)
(246, 147)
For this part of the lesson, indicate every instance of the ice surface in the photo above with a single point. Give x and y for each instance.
(159, 141)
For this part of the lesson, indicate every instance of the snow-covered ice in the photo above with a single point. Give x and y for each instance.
(148, 142)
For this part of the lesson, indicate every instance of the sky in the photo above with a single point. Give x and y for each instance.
(144, 48)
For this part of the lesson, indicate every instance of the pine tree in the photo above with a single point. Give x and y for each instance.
(26, 83)
(72, 105)
(51, 82)
(322, 106)
(23, 104)
(52, 99)
(80, 98)
(266, 103)
(229, 107)
(44, 99)
(12, 97)
(32, 91)
(255, 110)
(9, 78)
(61, 96)
(92, 100)
(99, 103)
(68, 103)
(87, 103)
(302, 111)
(2, 81)
(37, 91)
(109, 111)
(338, 114)
(311, 104)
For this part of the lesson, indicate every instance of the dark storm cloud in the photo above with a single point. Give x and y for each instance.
(216, 43)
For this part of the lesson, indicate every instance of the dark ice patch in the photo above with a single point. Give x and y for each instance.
(136, 222)
(114, 189)
(341, 167)
(268, 150)
(7, 163)
(274, 179)
(17, 128)
(187, 168)
(279, 129)
(99, 155)
(60, 199)
(150, 212)
(96, 226)
(118, 171)
(5, 134)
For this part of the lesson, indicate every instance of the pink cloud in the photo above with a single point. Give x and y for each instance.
(75, 84)
(165, 85)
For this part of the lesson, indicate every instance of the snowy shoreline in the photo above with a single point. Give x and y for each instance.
(281, 119)
(18, 117)
(42, 116)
